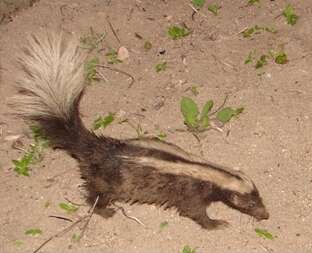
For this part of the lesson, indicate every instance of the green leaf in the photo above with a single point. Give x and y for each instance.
(189, 111)
(261, 62)
(204, 122)
(76, 238)
(101, 122)
(163, 225)
(198, 3)
(206, 109)
(188, 249)
(214, 8)
(264, 233)
(227, 113)
(18, 243)
(290, 15)
(161, 67)
(90, 69)
(177, 32)
(147, 45)
(252, 2)
(112, 57)
(194, 90)
(68, 207)
(161, 136)
(249, 58)
(281, 58)
(33, 232)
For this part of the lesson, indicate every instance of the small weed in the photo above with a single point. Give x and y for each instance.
(199, 122)
(147, 45)
(257, 30)
(188, 249)
(264, 234)
(226, 114)
(33, 232)
(290, 15)
(90, 69)
(34, 154)
(92, 40)
(261, 61)
(68, 207)
(18, 243)
(161, 136)
(281, 58)
(214, 8)
(112, 57)
(249, 58)
(198, 3)
(194, 90)
(161, 66)
(252, 2)
(103, 122)
(177, 32)
(76, 238)
(163, 225)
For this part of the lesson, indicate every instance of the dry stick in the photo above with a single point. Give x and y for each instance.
(67, 229)
(58, 234)
(60, 217)
(220, 107)
(113, 30)
(128, 216)
(91, 211)
(74, 203)
(118, 71)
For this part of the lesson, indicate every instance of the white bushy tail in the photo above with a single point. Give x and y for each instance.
(52, 77)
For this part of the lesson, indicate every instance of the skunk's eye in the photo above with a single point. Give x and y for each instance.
(251, 204)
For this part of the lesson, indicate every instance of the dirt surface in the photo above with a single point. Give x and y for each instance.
(271, 140)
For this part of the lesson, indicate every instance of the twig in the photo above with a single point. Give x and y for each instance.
(91, 211)
(196, 11)
(60, 217)
(220, 107)
(58, 234)
(118, 71)
(67, 229)
(128, 216)
(74, 203)
(113, 30)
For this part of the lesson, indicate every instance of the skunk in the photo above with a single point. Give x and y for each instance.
(143, 170)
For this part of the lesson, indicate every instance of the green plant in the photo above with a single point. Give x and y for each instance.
(188, 249)
(33, 154)
(147, 45)
(252, 2)
(199, 122)
(161, 136)
(290, 15)
(91, 40)
(161, 66)
(249, 58)
(264, 234)
(261, 61)
(177, 32)
(103, 122)
(33, 232)
(214, 8)
(90, 69)
(226, 114)
(198, 3)
(68, 207)
(163, 225)
(112, 57)
(281, 58)
(256, 30)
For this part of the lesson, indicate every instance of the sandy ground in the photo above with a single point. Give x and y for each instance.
(271, 141)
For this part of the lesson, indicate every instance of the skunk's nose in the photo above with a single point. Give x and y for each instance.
(262, 214)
